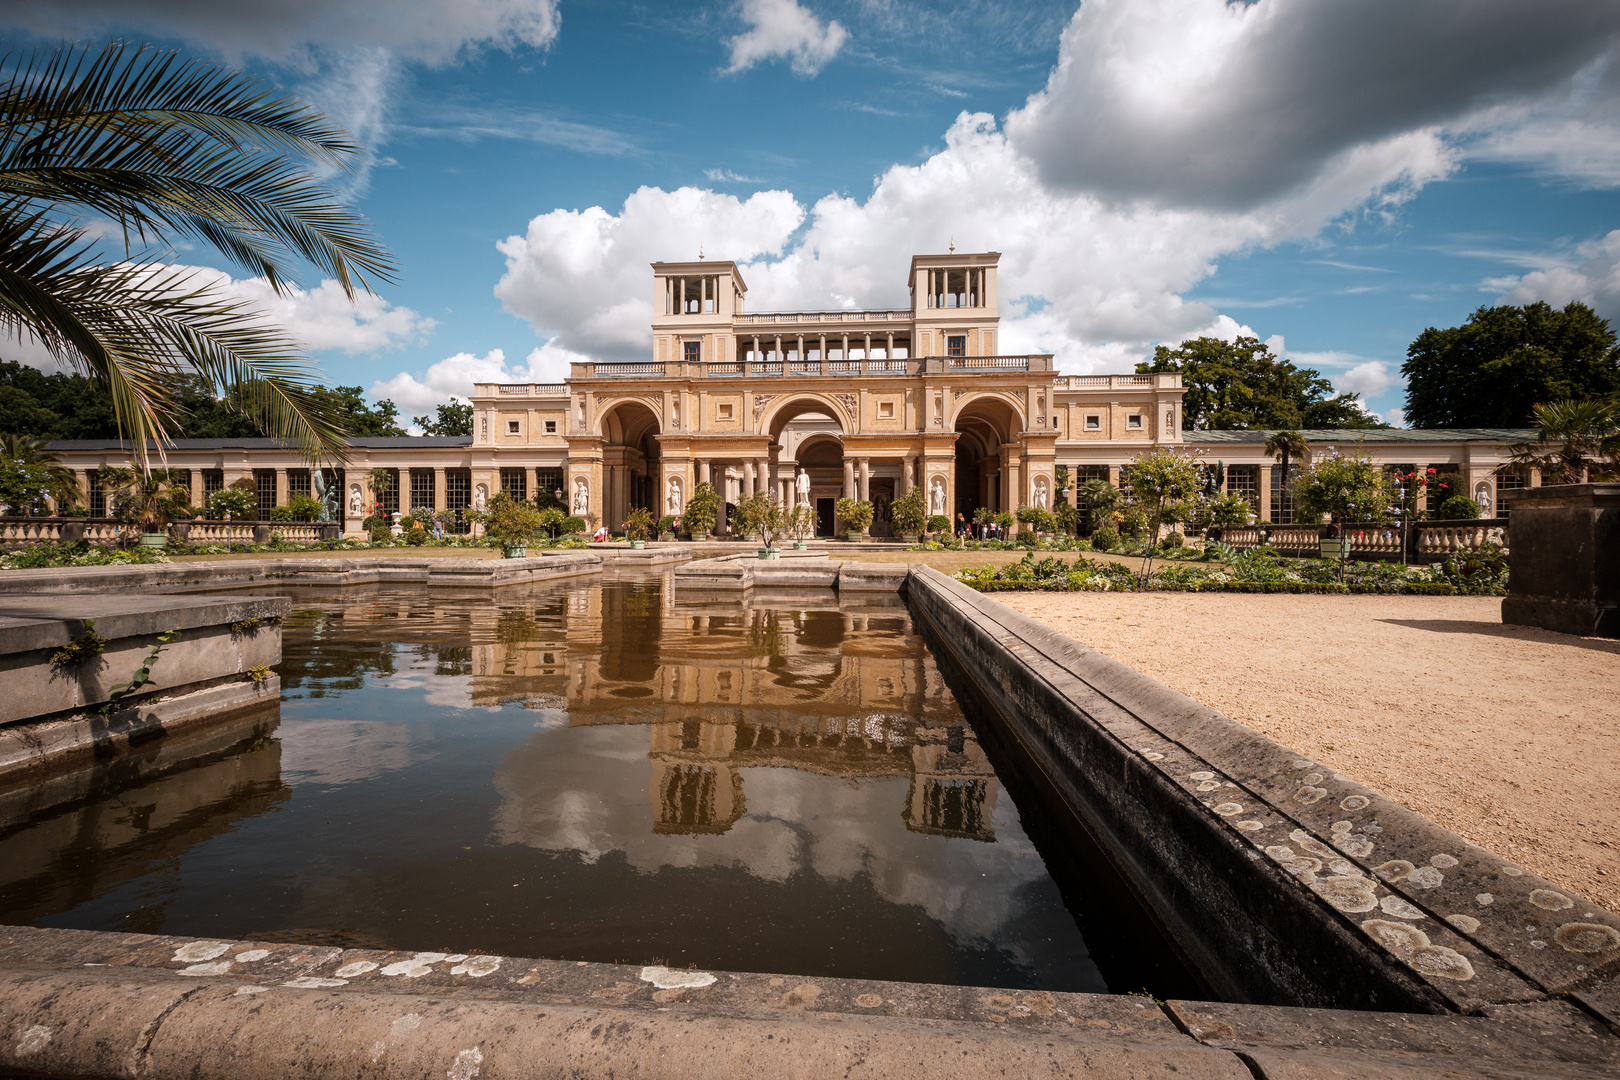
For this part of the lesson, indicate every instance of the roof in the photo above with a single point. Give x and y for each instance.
(1373, 435)
(387, 442)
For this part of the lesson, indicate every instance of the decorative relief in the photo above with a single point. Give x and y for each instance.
(760, 401)
(848, 402)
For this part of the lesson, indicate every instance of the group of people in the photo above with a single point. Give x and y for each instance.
(989, 530)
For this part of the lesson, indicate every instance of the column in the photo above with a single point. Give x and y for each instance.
(800, 357)
(1014, 495)
(747, 477)
(683, 307)
(282, 487)
(849, 478)
(821, 357)
(756, 357)
(439, 495)
(888, 352)
(844, 355)
(1265, 492)
(703, 471)
(866, 478)
(866, 355)
(778, 348)
(196, 487)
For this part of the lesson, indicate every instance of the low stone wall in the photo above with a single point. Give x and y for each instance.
(796, 569)
(85, 1004)
(259, 573)
(54, 713)
(1279, 880)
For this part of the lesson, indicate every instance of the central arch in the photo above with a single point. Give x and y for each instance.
(630, 460)
(807, 434)
(983, 426)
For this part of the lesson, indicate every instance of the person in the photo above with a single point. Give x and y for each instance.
(601, 534)
(961, 525)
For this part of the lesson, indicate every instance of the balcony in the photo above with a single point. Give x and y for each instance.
(1169, 380)
(812, 369)
(800, 317)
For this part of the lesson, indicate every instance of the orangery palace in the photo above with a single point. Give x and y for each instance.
(807, 405)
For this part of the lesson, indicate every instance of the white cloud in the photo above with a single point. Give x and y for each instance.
(1394, 417)
(781, 28)
(453, 377)
(1210, 103)
(1370, 379)
(726, 176)
(284, 30)
(323, 318)
(1592, 276)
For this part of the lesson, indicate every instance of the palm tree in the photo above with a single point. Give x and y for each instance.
(1285, 446)
(1584, 437)
(169, 151)
(61, 483)
(1098, 496)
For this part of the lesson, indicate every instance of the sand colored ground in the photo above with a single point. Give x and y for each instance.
(1507, 735)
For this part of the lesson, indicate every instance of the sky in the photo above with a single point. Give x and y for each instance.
(1331, 178)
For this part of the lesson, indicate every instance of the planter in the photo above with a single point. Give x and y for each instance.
(516, 551)
(154, 540)
(800, 545)
(1335, 548)
(665, 538)
(638, 545)
(770, 553)
(909, 538)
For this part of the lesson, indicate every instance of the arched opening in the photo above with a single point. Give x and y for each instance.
(629, 461)
(982, 428)
(807, 437)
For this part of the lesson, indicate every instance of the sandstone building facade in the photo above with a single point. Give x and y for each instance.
(816, 404)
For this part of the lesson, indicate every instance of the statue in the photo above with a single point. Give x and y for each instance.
(480, 497)
(1482, 496)
(672, 504)
(1040, 492)
(936, 496)
(356, 501)
(326, 494)
(801, 484)
(582, 496)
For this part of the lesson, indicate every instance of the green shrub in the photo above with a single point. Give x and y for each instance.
(908, 515)
(573, 524)
(1171, 540)
(1105, 539)
(1458, 508)
(939, 523)
(416, 536)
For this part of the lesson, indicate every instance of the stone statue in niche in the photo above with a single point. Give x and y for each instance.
(582, 496)
(675, 414)
(672, 503)
(1169, 419)
(801, 484)
(1482, 496)
(936, 496)
(357, 500)
(480, 497)
(1040, 493)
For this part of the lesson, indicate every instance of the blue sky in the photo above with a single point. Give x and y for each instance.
(1336, 180)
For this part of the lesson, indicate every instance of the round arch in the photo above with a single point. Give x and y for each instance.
(630, 457)
(984, 423)
(779, 413)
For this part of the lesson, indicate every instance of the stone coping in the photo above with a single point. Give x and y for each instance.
(86, 1003)
(1472, 929)
(30, 622)
(810, 569)
(387, 569)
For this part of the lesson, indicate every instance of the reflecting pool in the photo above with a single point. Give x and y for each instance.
(598, 770)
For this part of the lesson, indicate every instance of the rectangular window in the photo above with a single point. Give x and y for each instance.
(1134, 421)
(1093, 422)
(266, 481)
(549, 481)
(181, 478)
(515, 482)
(514, 427)
(98, 495)
(692, 351)
(956, 345)
(1508, 481)
(390, 500)
(1282, 498)
(422, 489)
(213, 480)
(886, 410)
(1245, 480)
(724, 411)
(551, 427)
(298, 482)
(1443, 485)
(458, 497)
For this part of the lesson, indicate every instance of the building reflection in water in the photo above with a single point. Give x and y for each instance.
(839, 689)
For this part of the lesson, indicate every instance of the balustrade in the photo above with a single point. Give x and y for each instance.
(1436, 541)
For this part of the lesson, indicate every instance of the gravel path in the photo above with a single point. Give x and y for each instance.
(1507, 735)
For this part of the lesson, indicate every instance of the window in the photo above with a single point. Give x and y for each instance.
(422, 489)
(1244, 480)
(98, 494)
(692, 351)
(298, 482)
(213, 480)
(513, 427)
(549, 481)
(266, 481)
(725, 411)
(956, 345)
(458, 497)
(515, 482)
(1134, 420)
(885, 410)
(551, 427)
(1093, 422)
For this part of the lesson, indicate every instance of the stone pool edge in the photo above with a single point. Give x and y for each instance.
(77, 1003)
(1239, 845)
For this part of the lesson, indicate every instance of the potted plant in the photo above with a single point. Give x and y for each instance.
(701, 510)
(511, 525)
(666, 527)
(939, 525)
(801, 519)
(146, 498)
(762, 516)
(909, 515)
(856, 516)
(639, 527)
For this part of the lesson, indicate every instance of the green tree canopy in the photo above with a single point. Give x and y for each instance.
(453, 419)
(1494, 369)
(1241, 386)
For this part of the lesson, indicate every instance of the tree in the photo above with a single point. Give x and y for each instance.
(1344, 487)
(1098, 497)
(1577, 439)
(1492, 370)
(174, 152)
(1163, 483)
(453, 419)
(702, 509)
(1240, 386)
(1285, 446)
(42, 468)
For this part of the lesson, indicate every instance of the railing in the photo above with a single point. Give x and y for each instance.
(1374, 541)
(1425, 541)
(1436, 540)
(822, 316)
(728, 368)
(1296, 539)
(534, 389)
(19, 531)
(1105, 382)
(628, 371)
(221, 532)
(989, 363)
(36, 530)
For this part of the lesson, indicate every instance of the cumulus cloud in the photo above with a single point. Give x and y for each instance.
(324, 318)
(1209, 103)
(1591, 276)
(452, 378)
(284, 30)
(783, 29)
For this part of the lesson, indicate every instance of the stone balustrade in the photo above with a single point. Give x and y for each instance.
(1440, 539)
(21, 531)
(56, 530)
(1427, 541)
